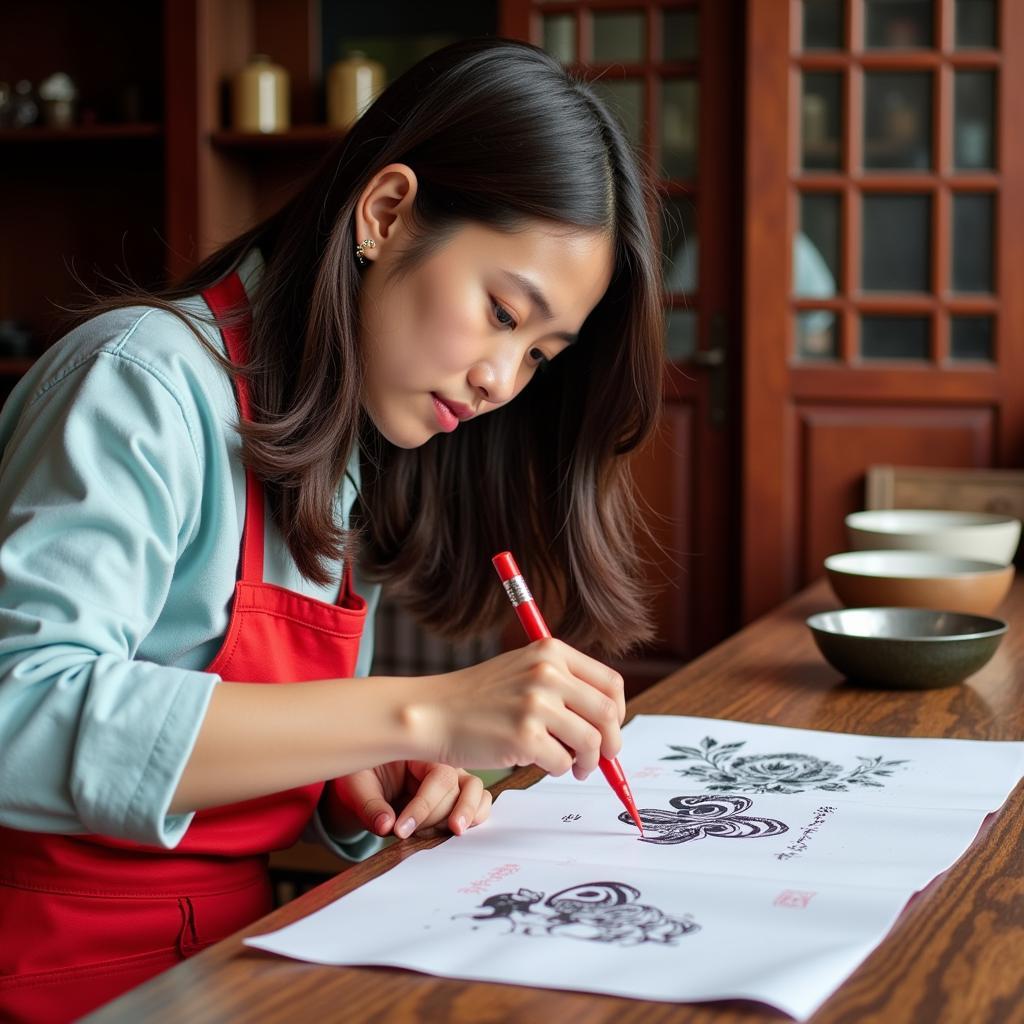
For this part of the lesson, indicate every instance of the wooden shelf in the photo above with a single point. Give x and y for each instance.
(81, 133)
(320, 136)
(15, 367)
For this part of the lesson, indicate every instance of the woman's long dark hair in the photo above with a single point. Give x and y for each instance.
(497, 133)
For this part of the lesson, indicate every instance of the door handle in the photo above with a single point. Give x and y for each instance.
(715, 359)
(708, 358)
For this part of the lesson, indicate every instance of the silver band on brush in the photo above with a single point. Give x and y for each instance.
(517, 590)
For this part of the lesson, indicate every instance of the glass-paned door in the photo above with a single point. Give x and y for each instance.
(666, 68)
(883, 317)
(894, 182)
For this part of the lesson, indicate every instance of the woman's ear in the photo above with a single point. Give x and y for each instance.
(385, 206)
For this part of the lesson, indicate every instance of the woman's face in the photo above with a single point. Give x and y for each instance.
(464, 332)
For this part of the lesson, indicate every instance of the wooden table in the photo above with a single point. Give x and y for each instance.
(955, 954)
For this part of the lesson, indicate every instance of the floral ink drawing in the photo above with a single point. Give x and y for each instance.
(721, 768)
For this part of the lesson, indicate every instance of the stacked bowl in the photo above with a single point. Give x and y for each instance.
(919, 588)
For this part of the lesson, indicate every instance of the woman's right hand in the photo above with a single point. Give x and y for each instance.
(545, 704)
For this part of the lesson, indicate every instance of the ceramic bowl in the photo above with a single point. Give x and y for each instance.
(918, 579)
(980, 535)
(905, 648)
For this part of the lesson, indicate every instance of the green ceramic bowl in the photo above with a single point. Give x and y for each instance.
(906, 648)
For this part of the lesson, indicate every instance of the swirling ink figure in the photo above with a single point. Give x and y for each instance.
(698, 816)
(594, 911)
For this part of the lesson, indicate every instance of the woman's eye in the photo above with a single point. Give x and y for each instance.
(503, 316)
(538, 356)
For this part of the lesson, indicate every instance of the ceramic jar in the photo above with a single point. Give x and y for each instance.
(260, 97)
(352, 85)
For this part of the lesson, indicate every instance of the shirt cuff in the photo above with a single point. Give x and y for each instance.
(354, 848)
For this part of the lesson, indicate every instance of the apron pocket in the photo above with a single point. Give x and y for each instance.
(68, 993)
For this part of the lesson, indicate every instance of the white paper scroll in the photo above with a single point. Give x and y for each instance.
(774, 861)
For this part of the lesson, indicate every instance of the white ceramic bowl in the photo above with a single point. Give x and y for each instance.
(978, 535)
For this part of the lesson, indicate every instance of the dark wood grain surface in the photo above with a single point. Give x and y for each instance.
(955, 954)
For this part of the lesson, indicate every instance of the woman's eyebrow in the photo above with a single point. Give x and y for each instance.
(536, 296)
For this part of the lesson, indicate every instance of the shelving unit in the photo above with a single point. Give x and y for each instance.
(80, 133)
(93, 203)
(307, 136)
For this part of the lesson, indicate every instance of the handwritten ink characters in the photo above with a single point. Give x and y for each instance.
(481, 885)
(798, 846)
(794, 899)
(698, 816)
(594, 912)
(721, 770)
(571, 817)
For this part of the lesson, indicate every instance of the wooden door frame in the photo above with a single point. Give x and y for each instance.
(770, 517)
(699, 601)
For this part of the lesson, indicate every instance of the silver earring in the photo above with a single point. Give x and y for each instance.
(366, 243)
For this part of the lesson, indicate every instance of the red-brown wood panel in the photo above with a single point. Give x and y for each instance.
(814, 424)
(667, 500)
(687, 476)
(835, 443)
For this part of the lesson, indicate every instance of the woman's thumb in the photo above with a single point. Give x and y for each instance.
(365, 799)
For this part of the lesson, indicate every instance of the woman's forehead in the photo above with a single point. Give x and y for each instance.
(571, 267)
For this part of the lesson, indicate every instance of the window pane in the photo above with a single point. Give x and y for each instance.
(680, 335)
(972, 242)
(897, 119)
(894, 337)
(972, 338)
(823, 24)
(559, 34)
(679, 29)
(679, 246)
(896, 231)
(817, 335)
(898, 24)
(821, 116)
(816, 246)
(619, 37)
(679, 128)
(975, 23)
(626, 100)
(973, 115)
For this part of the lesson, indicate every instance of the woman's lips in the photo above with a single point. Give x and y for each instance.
(445, 415)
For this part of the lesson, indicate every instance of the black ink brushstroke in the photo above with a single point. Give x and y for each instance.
(698, 817)
(606, 912)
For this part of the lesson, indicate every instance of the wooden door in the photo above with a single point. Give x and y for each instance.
(884, 206)
(669, 70)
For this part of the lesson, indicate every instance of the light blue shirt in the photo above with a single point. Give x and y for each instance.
(122, 500)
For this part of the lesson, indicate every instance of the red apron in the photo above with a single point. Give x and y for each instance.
(84, 918)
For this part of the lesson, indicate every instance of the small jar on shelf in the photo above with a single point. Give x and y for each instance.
(260, 97)
(353, 83)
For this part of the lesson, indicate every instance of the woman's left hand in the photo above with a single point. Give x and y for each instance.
(437, 794)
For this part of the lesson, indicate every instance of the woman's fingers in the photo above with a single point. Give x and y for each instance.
(483, 808)
(598, 675)
(464, 813)
(601, 716)
(435, 797)
(364, 796)
(593, 707)
(445, 793)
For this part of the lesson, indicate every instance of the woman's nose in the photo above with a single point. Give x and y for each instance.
(494, 379)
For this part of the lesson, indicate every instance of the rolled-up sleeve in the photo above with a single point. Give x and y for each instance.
(100, 484)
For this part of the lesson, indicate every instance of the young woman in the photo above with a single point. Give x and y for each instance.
(444, 346)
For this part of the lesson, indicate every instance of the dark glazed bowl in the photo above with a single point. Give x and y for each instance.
(906, 648)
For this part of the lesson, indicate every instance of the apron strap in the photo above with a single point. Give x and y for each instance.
(224, 298)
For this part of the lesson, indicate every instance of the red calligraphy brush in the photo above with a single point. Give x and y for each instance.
(536, 629)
